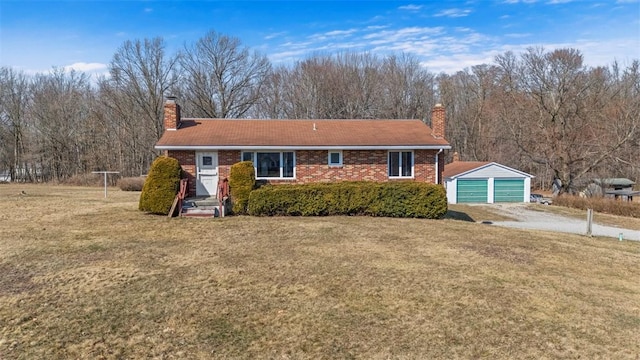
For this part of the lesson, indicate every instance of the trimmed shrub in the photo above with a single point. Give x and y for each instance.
(392, 199)
(131, 183)
(242, 180)
(161, 186)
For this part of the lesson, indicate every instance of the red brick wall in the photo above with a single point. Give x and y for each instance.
(311, 166)
(187, 160)
(226, 158)
(358, 165)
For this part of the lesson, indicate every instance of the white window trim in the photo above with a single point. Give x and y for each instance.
(413, 163)
(255, 165)
(340, 163)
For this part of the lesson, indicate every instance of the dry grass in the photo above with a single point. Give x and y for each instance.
(601, 205)
(87, 277)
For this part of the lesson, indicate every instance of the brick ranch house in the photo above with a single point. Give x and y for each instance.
(304, 151)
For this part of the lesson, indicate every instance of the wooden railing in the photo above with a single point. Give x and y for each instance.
(177, 202)
(223, 195)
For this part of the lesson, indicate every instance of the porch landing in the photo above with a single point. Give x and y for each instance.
(201, 207)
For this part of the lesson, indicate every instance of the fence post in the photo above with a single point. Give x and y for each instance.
(105, 178)
(589, 221)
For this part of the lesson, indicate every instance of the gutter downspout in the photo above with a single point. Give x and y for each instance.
(437, 162)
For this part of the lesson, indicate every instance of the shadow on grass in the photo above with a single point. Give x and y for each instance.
(458, 215)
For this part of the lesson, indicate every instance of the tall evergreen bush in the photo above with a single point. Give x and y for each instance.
(242, 180)
(161, 186)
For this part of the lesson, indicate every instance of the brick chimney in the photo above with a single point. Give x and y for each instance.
(437, 121)
(171, 114)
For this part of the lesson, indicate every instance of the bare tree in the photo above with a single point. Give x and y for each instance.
(624, 108)
(133, 96)
(352, 85)
(60, 111)
(306, 98)
(361, 79)
(14, 102)
(222, 79)
(473, 128)
(558, 113)
(143, 74)
(408, 88)
(273, 102)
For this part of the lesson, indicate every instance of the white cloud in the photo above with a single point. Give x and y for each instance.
(86, 67)
(410, 7)
(453, 13)
(376, 27)
(517, 35)
(275, 35)
(340, 32)
(446, 49)
(424, 42)
(404, 33)
(148, 10)
(288, 56)
(599, 53)
(331, 34)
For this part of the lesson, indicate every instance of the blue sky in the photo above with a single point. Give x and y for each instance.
(446, 36)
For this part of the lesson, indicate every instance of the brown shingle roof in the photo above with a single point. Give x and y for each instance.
(459, 167)
(300, 133)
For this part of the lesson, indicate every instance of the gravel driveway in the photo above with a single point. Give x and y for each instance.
(540, 220)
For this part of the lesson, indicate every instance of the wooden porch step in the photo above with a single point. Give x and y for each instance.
(201, 207)
(201, 212)
(200, 202)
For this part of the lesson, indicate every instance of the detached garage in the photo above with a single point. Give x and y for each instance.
(485, 182)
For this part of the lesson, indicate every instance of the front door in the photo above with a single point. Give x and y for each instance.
(207, 174)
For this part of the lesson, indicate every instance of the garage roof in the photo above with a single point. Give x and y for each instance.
(461, 168)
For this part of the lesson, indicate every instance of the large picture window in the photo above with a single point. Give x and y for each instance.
(273, 164)
(400, 164)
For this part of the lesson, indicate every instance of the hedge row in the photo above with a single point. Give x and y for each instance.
(392, 199)
(600, 204)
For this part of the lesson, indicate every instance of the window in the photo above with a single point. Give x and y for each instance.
(207, 160)
(271, 164)
(400, 164)
(335, 158)
(247, 156)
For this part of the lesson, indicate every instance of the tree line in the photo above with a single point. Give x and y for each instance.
(543, 112)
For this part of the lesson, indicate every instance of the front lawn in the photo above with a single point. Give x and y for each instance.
(88, 277)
